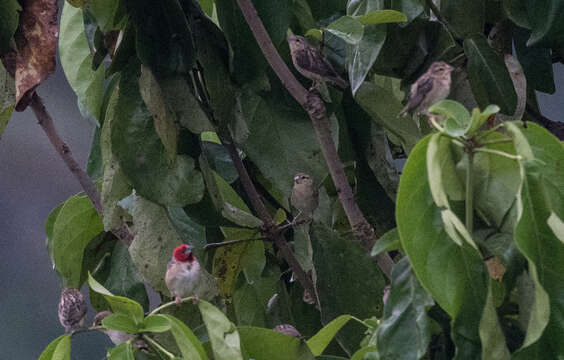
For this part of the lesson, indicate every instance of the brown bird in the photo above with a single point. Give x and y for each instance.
(116, 336)
(72, 309)
(305, 196)
(430, 88)
(309, 61)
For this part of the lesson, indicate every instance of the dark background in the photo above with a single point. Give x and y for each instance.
(33, 181)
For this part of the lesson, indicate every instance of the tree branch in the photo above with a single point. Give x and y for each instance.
(46, 122)
(314, 106)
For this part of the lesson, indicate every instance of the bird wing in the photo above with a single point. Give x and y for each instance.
(313, 61)
(419, 91)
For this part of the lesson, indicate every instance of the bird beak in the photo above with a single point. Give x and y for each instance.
(188, 250)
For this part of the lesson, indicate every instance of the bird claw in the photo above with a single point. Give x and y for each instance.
(178, 300)
(196, 299)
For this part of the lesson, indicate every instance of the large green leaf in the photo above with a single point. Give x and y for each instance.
(536, 62)
(411, 8)
(58, 349)
(76, 224)
(223, 335)
(347, 28)
(540, 195)
(362, 55)
(108, 13)
(121, 352)
(546, 25)
(141, 154)
(319, 341)
(76, 61)
(189, 345)
(405, 329)
(464, 17)
(493, 339)
(488, 75)
(266, 344)
(357, 274)
(454, 275)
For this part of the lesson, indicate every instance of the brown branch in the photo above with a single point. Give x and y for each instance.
(316, 110)
(46, 122)
(270, 227)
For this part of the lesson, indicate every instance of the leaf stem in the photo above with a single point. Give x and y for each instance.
(158, 346)
(490, 142)
(470, 193)
(500, 153)
(165, 305)
(487, 132)
(232, 242)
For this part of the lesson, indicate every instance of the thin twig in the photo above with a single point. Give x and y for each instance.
(314, 106)
(232, 242)
(170, 303)
(46, 122)
(158, 346)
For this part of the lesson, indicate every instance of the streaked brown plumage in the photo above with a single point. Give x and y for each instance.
(309, 61)
(72, 309)
(430, 88)
(305, 196)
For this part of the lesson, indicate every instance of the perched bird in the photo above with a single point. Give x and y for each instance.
(182, 273)
(309, 61)
(116, 336)
(287, 329)
(72, 309)
(305, 196)
(430, 88)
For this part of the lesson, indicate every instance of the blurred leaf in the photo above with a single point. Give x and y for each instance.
(443, 268)
(556, 225)
(108, 13)
(361, 7)
(411, 8)
(387, 242)
(164, 118)
(319, 341)
(121, 352)
(251, 300)
(266, 344)
(189, 345)
(219, 160)
(58, 349)
(76, 61)
(488, 75)
(118, 304)
(346, 28)
(457, 117)
(405, 329)
(479, 118)
(76, 224)
(302, 13)
(156, 323)
(224, 337)
(357, 275)
(544, 17)
(516, 10)
(155, 239)
(360, 354)
(120, 322)
(382, 17)
(362, 55)
(248, 61)
(7, 97)
(124, 280)
(142, 155)
(464, 17)
(188, 230)
(536, 62)
(493, 339)
(9, 16)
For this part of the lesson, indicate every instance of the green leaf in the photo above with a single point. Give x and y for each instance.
(359, 355)
(362, 55)
(250, 300)
(411, 8)
(223, 335)
(405, 329)
(536, 62)
(188, 230)
(76, 61)
(488, 75)
(7, 97)
(387, 242)
(58, 349)
(516, 10)
(49, 225)
(9, 17)
(76, 224)
(141, 154)
(464, 17)
(319, 341)
(557, 226)
(434, 170)
(163, 116)
(347, 28)
(457, 117)
(444, 269)
(121, 352)
(493, 340)
(108, 13)
(361, 7)
(266, 344)
(357, 275)
(124, 280)
(120, 305)
(120, 322)
(156, 324)
(479, 118)
(189, 345)
(544, 18)
(382, 17)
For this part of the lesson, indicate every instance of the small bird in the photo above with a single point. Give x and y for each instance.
(305, 196)
(309, 61)
(288, 329)
(430, 88)
(182, 273)
(72, 309)
(116, 336)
